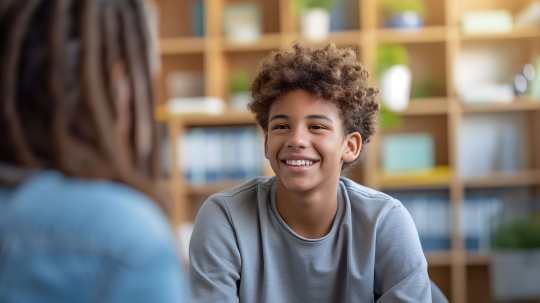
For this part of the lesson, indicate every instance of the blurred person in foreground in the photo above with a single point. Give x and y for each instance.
(80, 217)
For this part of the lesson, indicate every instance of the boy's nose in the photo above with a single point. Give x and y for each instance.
(297, 139)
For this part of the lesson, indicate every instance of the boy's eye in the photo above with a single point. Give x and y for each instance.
(280, 126)
(317, 127)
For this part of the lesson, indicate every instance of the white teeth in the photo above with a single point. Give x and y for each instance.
(299, 162)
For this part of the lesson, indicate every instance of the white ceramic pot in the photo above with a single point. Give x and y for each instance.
(395, 85)
(240, 101)
(315, 24)
(515, 275)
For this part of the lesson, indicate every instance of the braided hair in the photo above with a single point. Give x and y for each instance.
(57, 105)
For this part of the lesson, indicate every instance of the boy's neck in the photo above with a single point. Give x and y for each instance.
(309, 214)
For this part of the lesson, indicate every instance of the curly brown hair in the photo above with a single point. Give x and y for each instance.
(329, 73)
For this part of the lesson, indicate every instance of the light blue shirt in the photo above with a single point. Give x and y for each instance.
(70, 240)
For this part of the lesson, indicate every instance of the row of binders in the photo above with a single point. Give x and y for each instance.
(432, 216)
(208, 155)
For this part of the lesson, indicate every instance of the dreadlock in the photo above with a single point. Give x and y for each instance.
(57, 107)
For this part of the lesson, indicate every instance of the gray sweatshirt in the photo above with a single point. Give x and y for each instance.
(241, 250)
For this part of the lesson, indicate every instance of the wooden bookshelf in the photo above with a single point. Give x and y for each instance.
(424, 35)
(177, 46)
(428, 106)
(516, 105)
(265, 43)
(502, 179)
(461, 275)
(518, 33)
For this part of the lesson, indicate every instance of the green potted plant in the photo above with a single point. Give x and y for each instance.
(394, 76)
(314, 18)
(403, 13)
(239, 89)
(515, 260)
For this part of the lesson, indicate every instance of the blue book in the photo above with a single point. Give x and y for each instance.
(212, 149)
(197, 13)
(237, 160)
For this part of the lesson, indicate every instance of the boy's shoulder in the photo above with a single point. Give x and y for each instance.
(250, 187)
(361, 194)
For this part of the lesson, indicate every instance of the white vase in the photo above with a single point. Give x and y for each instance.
(515, 275)
(395, 85)
(315, 24)
(240, 100)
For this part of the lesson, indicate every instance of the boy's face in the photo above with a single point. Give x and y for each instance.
(305, 143)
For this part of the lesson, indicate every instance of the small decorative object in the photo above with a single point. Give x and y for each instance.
(522, 82)
(242, 22)
(515, 261)
(405, 14)
(394, 76)
(408, 152)
(239, 86)
(315, 18)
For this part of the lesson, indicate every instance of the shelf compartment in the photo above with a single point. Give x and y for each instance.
(436, 126)
(441, 275)
(176, 46)
(176, 18)
(478, 284)
(192, 63)
(422, 35)
(498, 179)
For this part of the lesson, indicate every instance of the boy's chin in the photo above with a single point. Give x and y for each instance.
(296, 185)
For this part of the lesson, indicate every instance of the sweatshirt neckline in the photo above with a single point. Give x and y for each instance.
(335, 225)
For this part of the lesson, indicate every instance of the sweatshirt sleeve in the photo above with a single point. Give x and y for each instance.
(215, 261)
(400, 265)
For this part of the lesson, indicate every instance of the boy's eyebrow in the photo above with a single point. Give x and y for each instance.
(308, 117)
(278, 117)
(320, 117)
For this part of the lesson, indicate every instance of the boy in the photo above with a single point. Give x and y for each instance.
(307, 234)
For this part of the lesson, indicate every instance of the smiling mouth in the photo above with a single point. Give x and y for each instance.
(299, 162)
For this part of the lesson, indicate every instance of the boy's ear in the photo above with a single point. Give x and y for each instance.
(353, 145)
(266, 145)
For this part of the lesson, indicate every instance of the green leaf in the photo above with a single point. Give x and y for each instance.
(389, 55)
(302, 5)
(389, 120)
(239, 81)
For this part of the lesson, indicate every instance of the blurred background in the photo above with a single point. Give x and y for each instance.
(458, 140)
